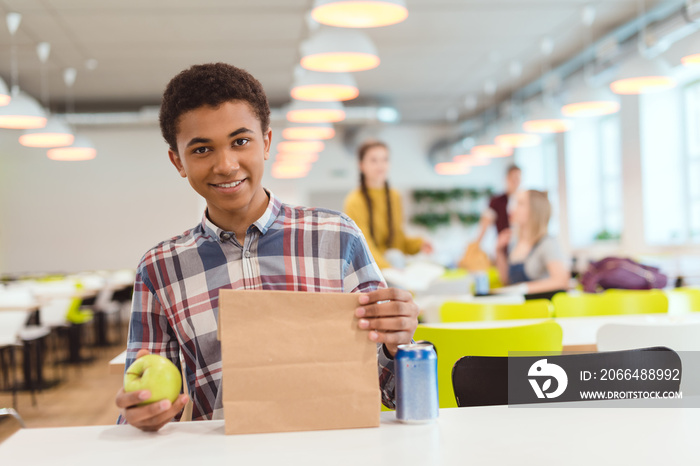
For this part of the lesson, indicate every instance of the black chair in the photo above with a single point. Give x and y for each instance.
(484, 380)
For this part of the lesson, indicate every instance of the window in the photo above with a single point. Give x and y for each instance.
(611, 178)
(594, 180)
(691, 99)
(539, 171)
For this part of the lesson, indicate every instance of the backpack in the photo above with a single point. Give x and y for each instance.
(622, 273)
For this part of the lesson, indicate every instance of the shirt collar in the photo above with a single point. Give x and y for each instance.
(262, 224)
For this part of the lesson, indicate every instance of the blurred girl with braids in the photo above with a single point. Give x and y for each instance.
(377, 209)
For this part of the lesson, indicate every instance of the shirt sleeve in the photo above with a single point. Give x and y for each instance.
(357, 211)
(361, 276)
(408, 244)
(550, 250)
(149, 327)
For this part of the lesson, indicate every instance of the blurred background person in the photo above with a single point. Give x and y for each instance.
(528, 257)
(378, 211)
(497, 212)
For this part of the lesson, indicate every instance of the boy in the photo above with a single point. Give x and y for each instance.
(215, 119)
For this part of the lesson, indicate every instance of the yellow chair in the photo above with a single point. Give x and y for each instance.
(468, 312)
(611, 302)
(453, 343)
(690, 297)
(494, 278)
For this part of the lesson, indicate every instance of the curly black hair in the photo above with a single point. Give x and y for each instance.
(211, 84)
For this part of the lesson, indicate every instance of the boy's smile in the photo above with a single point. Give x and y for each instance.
(222, 151)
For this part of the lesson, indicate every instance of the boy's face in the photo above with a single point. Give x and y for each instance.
(221, 151)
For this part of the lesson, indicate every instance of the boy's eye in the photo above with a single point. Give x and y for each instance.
(241, 142)
(200, 150)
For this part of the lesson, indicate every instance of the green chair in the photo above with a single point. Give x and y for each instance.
(468, 312)
(454, 343)
(611, 302)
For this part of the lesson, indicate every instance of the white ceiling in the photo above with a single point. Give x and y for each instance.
(443, 52)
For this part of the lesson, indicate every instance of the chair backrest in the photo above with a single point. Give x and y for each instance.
(453, 343)
(484, 381)
(677, 336)
(467, 312)
(684, 299)
(609, 303)
(55, 312)
(11, 322)
(20, 297)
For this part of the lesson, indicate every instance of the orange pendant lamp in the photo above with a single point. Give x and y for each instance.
(339, 50)
(547, 120)
(452, 168)
(81, 149)
(359, 13)
(296, 157)
(5, 97)
(640, 75)
(472, 160)
(55, 134)
(492, 151)
(300, 146)
(315, 112)
(315, 132)
(315, 86)
(285, 170)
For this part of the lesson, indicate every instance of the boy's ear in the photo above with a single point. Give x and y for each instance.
(268, 143)
(175, 159)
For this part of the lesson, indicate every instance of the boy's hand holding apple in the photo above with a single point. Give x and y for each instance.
(155, 414)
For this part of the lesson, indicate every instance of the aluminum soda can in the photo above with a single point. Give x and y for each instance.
(481, 284)
(416, 383)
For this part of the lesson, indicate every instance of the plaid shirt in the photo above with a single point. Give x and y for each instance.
(176, 292)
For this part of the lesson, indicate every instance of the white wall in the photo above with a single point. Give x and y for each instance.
(107, 212)
(99, 214)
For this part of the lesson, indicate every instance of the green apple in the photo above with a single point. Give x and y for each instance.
(156, 374)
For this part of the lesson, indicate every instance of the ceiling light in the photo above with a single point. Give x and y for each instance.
(514, 140)
(591, 102)
(319, 131)
(512, 137)
(81, 149)
(55, 134)
(359, 13)
(339, 50)
(323, 87)
(296, 157)
(492, 151)
(452, 168)
(23, 112)
(315, 112)
(300, 146)
(388, 115)
(547, 120)
(5, 97)
(282, 170)
(640, 75)
(471, 160)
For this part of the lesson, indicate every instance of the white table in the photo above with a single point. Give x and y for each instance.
(116, 365)
(466, 436)
(579, 331)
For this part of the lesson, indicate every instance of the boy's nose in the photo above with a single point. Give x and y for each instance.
(226, 163)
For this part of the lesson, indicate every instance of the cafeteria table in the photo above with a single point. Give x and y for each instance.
(116, 365)
(579, 333)
(486, 435)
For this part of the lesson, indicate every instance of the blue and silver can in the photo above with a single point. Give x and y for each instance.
(481, 284)
(416, 383)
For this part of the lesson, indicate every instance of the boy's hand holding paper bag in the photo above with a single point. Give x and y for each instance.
(299, 361)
